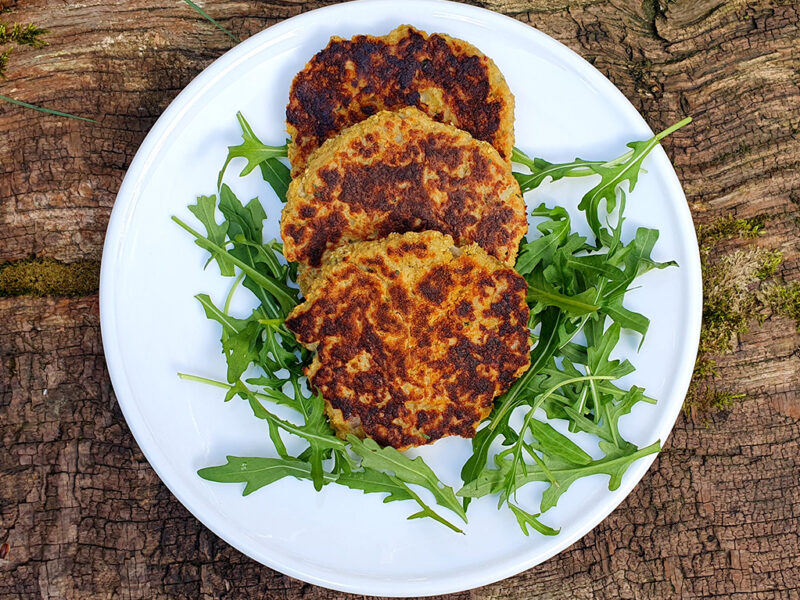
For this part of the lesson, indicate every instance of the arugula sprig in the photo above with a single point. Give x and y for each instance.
(613, 173)
(574, 288)
(262, 342)
(238, 242)
(258, 154)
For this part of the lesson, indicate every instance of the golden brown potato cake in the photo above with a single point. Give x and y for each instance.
(414, 337)
(447, 78)
(397, 172)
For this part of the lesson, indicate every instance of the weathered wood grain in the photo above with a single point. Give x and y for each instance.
(83, 514)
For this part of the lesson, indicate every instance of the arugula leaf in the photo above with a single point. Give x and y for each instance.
(594, 266)
(635, 257)
(276, 297)
(256, 472)
(541, 294)
(316, 431)
(614, 464)
(277, 440)
(279, 350)
(480, 454)
(613, 176)
(511, 483)
(212, 247)
(246, 220)
(230, 325)
(251, 149)
(526, 519)
(277, 175)
(413, 471)
(599, 353)
(309, 465)
(426, 511)
(272, 389)
(626, 318)
(240, 349)
(546, 346)
(263, 339)
(245, 233)
(373, 481)
(558, 444)
(205, 211)
(240, 337)
(554, 230)
(251, 340)
(598, 399)
(542, 169)
(573, 287)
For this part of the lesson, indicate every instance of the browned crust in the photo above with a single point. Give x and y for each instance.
(350, 80)
(414, 337)
(397, 172)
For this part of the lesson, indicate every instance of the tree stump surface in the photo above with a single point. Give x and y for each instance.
(82, 514)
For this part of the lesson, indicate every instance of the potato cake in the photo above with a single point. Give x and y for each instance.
(414, 337)
(350, 80)
(397, 172)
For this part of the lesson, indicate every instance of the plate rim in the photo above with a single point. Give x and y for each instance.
(122, 211)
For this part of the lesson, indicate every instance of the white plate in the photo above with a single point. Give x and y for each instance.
(152, 327)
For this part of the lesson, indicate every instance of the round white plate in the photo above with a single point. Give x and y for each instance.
(152, 326)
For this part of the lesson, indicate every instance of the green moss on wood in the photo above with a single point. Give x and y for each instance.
(22, 35)
(4, 61)
(783, 300)
(46, 277)
(729, 227)
(730, 298)
(19, 35)
(738, 288)
(770, 265)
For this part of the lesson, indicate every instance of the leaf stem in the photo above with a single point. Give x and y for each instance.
(581, 406)
(271, 322)
(595, 396)
(537, 459)
(235, 285)
(673, 128)
(206, 380)
(48, 111)
(205, 15)
(227, 386)
(613, 429)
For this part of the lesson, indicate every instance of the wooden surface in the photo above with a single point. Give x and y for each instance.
(82, 515)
